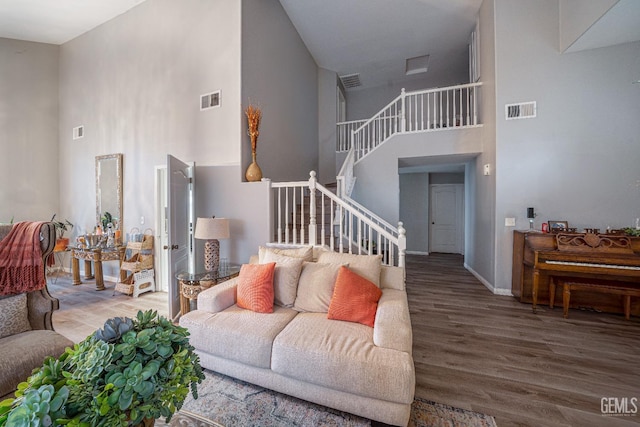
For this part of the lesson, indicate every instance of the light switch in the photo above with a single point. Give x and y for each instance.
(509, 222)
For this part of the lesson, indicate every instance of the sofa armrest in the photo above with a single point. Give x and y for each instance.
(219, 297)
(41, 306)
(392, 327)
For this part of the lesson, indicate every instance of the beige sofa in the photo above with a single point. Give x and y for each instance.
(26, 330)
(343, 365)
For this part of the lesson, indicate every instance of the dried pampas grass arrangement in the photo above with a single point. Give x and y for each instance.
(254, 115)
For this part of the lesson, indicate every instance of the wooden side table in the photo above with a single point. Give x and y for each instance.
(192, 284)
(97, 256)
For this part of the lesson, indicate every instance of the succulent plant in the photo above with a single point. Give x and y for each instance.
(114, 328)
(39, 407)
(132, 369)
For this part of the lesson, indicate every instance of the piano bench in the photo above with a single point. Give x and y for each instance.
(605, 287)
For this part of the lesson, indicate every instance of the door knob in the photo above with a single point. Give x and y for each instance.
(174, 247)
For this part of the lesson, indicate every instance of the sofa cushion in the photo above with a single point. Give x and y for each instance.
(14, 315)
(285, 279)
(315, 287)
(355, 299)
(21, 353)
(367, 266)
(304, 252)
(255, 287)
(341, 356)
(237, 334)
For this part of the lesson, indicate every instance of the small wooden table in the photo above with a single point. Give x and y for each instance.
(192, 284)
(97, 256)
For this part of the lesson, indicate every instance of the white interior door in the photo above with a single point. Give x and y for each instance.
(446, 218)
(180, 219)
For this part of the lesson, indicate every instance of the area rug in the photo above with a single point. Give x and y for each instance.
(227, 402)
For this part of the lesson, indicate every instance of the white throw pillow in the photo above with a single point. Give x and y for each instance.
(14, 315)
(315, 287)
(285, 278)
(304, 252)
(367, 266)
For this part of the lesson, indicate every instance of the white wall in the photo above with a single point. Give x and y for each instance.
(135, 84)
(29, 131)
(577, 16)
(578, 160)
(280, 75)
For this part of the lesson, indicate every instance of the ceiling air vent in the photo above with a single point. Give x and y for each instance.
(523, 110)
(350, 81)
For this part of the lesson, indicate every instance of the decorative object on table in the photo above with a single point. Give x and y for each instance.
(127, 374)
(61, 227)
(557, 226)
(531, 214)
(212, 229)
(137, 270)
(254, 115)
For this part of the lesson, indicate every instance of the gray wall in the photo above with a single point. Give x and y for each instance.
(378, 184)
(219, 192)
(577, 16)
(414, 210)
(481, 189)
(135, 84)
(327, 114)
(28, 131)
(280, 75)
(578, 160)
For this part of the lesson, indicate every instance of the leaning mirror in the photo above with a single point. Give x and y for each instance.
(109, 190)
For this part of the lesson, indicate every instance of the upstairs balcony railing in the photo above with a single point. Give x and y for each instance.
(307, 213)
(417, 111)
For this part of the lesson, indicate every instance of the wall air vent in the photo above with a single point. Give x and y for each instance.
(78, 132)
(523, 110)
(210, 100)
(349, 81)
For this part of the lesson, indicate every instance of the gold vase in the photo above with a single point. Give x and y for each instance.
(253, 173)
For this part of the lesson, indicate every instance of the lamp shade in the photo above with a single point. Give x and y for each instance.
(212, 228)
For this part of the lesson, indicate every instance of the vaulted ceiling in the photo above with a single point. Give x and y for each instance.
(369, 37)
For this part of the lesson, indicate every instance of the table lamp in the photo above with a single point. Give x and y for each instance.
(212, 229)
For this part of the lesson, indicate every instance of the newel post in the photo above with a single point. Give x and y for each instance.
(402, 244)
(312, 208)
(403, 118)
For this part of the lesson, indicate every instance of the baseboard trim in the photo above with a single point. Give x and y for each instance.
(416, 253)
(487, 284)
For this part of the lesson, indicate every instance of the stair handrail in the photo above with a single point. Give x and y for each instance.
(420, 110)
(352, 225)
(345, 177)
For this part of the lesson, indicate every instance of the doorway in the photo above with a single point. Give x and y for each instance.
(446, 218)
(175, 212)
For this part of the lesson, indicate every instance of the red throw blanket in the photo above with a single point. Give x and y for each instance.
(21, 267)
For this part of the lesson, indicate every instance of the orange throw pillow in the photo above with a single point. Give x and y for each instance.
(255, 287)
(355, 299)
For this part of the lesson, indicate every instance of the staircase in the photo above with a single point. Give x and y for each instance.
(308, 213)
(418, 111)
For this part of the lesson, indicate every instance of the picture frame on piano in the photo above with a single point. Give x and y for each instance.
(558, 226)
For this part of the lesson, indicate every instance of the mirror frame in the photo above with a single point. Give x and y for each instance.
(118, 214)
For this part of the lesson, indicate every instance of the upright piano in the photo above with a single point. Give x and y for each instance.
(539, 258)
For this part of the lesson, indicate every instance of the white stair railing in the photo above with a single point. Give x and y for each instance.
(343, 134)
(345, 178)
(331, 222)
(419, 111)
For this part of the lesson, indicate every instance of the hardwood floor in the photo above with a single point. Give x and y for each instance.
(472, 349)
(491, 354)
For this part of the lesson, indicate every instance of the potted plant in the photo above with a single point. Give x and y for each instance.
(61, 227)
(127, 374)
